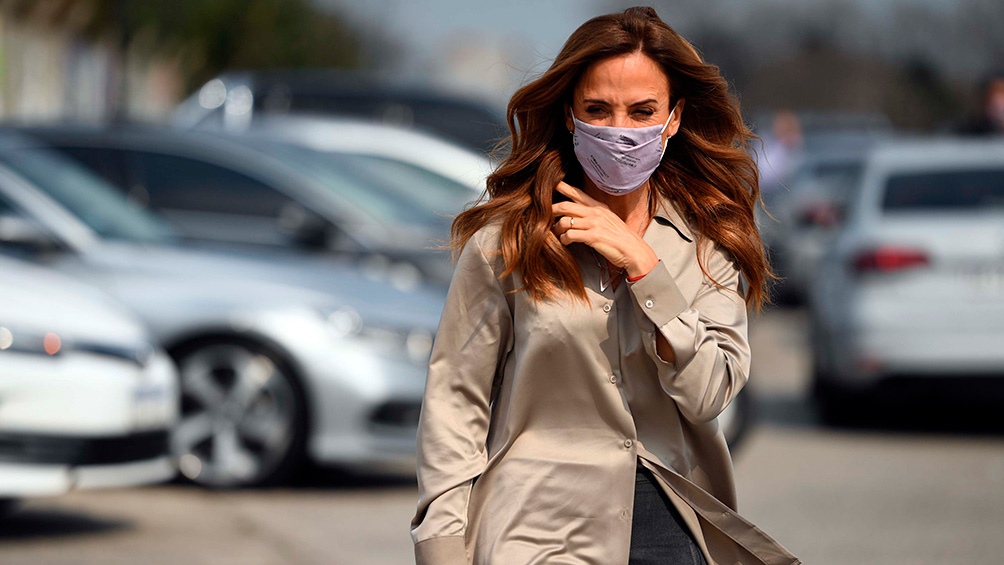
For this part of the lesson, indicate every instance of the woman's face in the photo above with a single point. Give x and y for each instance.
(629, 91)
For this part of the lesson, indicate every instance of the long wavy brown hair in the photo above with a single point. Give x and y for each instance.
(708, 170)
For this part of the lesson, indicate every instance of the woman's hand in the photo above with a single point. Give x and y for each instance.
(587, 220)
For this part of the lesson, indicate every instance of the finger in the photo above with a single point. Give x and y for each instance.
(577, 195)
(570, 209)
(562, 225)
(574, 236)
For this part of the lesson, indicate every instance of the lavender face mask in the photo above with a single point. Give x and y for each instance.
(619, 160)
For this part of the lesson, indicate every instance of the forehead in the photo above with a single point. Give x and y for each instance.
(624, 76)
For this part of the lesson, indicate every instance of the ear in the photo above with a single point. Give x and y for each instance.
(569, 124)
(674, 123)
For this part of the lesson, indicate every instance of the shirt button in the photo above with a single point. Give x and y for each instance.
(628, 443)
(649, 303)
(606, 307)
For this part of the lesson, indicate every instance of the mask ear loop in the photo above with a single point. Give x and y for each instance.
(665, 142)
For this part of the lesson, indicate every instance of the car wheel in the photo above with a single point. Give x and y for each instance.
(8, 506)
(242, 419)
(734, 421)
(833, 403)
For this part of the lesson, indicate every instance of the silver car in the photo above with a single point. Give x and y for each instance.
(278, 359)
(913, 287)
(255, 191)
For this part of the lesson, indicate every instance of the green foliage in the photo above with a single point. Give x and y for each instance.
(214, 35)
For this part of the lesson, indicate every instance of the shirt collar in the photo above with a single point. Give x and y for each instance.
(667, 214)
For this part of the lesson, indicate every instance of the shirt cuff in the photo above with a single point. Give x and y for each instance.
(658, 297)
(443, 550)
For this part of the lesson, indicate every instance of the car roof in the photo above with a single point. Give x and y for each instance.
(373, 85)
(354, 136)
(219, 144)
(937, 153)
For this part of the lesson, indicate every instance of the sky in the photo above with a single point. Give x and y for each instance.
(501, 42)
(491, 47)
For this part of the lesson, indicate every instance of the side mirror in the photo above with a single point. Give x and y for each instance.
(25, 235)
(305, 228)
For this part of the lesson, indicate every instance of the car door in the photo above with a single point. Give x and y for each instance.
(203, 200)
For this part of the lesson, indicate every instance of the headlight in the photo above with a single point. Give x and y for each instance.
(415, 344)
(52, 344)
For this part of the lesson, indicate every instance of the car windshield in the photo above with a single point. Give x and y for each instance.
(105, 210)
(832, 179)
(945, 191)
(385, 189)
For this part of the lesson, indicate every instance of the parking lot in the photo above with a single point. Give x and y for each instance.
(874, 494)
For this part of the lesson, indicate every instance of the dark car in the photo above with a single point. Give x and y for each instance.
(234, 99)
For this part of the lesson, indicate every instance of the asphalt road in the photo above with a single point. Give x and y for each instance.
(898, 491)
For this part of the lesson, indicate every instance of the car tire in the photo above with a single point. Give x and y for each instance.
(243, 415)
(838, 406)
(8, 506)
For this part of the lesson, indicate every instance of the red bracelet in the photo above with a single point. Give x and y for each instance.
(636, 279)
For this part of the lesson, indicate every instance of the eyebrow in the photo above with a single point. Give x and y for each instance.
(605, 103)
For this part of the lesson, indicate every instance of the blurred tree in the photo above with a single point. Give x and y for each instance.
(213, 35)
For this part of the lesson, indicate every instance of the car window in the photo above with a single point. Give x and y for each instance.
(385, 197)
(418, 187)
(969, 190)
(108, 163)
(181, 183)
(88, 197)
(10, 211)
(828, 177)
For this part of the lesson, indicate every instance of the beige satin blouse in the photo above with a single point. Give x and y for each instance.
(547, 473)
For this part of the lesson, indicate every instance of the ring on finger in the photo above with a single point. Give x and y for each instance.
(571, 222)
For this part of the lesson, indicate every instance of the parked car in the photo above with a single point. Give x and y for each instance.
(86, 399)
(254, 190)
(381, 145)
(912, 289)
(809, 215)
(278, 358)
(236, 99)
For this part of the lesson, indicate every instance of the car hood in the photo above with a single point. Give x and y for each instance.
(165, 284)
(38, 301)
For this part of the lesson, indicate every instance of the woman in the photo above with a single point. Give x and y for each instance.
(595, 326)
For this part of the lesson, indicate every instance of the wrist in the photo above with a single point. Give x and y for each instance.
(641, 267)
(636, 279)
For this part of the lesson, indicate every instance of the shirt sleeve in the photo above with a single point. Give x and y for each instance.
(708, 335)
(474, 335)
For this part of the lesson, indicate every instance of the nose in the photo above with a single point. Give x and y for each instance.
(620, 120)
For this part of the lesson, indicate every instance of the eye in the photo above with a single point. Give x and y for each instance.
(594, 110)
(644, 112)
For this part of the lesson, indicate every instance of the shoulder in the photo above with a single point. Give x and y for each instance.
(485, 247)
(488, 238)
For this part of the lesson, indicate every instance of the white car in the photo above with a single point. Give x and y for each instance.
(380, 142)
(912, 289)
(85, 400)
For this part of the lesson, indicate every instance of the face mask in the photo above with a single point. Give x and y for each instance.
(619, 160)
